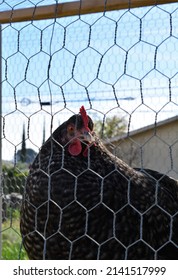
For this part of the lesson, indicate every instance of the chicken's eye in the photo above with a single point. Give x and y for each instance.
(70, 129)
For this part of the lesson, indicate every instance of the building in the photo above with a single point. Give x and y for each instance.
(154, 147)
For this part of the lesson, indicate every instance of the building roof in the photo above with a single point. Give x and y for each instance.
(143, 129)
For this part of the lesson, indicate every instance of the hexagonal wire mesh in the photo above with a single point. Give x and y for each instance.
(119, 64)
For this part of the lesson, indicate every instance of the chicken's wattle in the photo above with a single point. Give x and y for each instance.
(75, 148)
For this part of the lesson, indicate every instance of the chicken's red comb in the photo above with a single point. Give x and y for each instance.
(84, 117)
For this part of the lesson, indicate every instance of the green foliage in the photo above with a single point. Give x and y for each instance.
(23, 154)
(11, 240)
(14, 178)
(13, 251)
(111, 127)
(29, 158)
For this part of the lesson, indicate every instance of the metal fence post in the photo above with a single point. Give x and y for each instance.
(0, 145)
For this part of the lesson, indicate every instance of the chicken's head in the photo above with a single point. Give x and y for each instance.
(77, 134)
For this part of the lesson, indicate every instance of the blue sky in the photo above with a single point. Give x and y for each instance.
(123, 62)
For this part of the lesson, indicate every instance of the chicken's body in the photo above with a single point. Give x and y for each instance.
(96, 207)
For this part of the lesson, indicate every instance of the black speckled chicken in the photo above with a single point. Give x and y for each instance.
(81, 202)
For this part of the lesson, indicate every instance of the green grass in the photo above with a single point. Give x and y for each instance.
(11, 239)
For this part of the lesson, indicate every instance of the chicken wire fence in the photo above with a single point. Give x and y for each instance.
(122, 65)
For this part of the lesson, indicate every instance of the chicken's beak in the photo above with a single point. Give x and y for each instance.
(88, 137)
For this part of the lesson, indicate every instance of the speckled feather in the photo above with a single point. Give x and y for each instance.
(96, 207)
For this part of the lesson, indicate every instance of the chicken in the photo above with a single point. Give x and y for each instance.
(82, 202)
